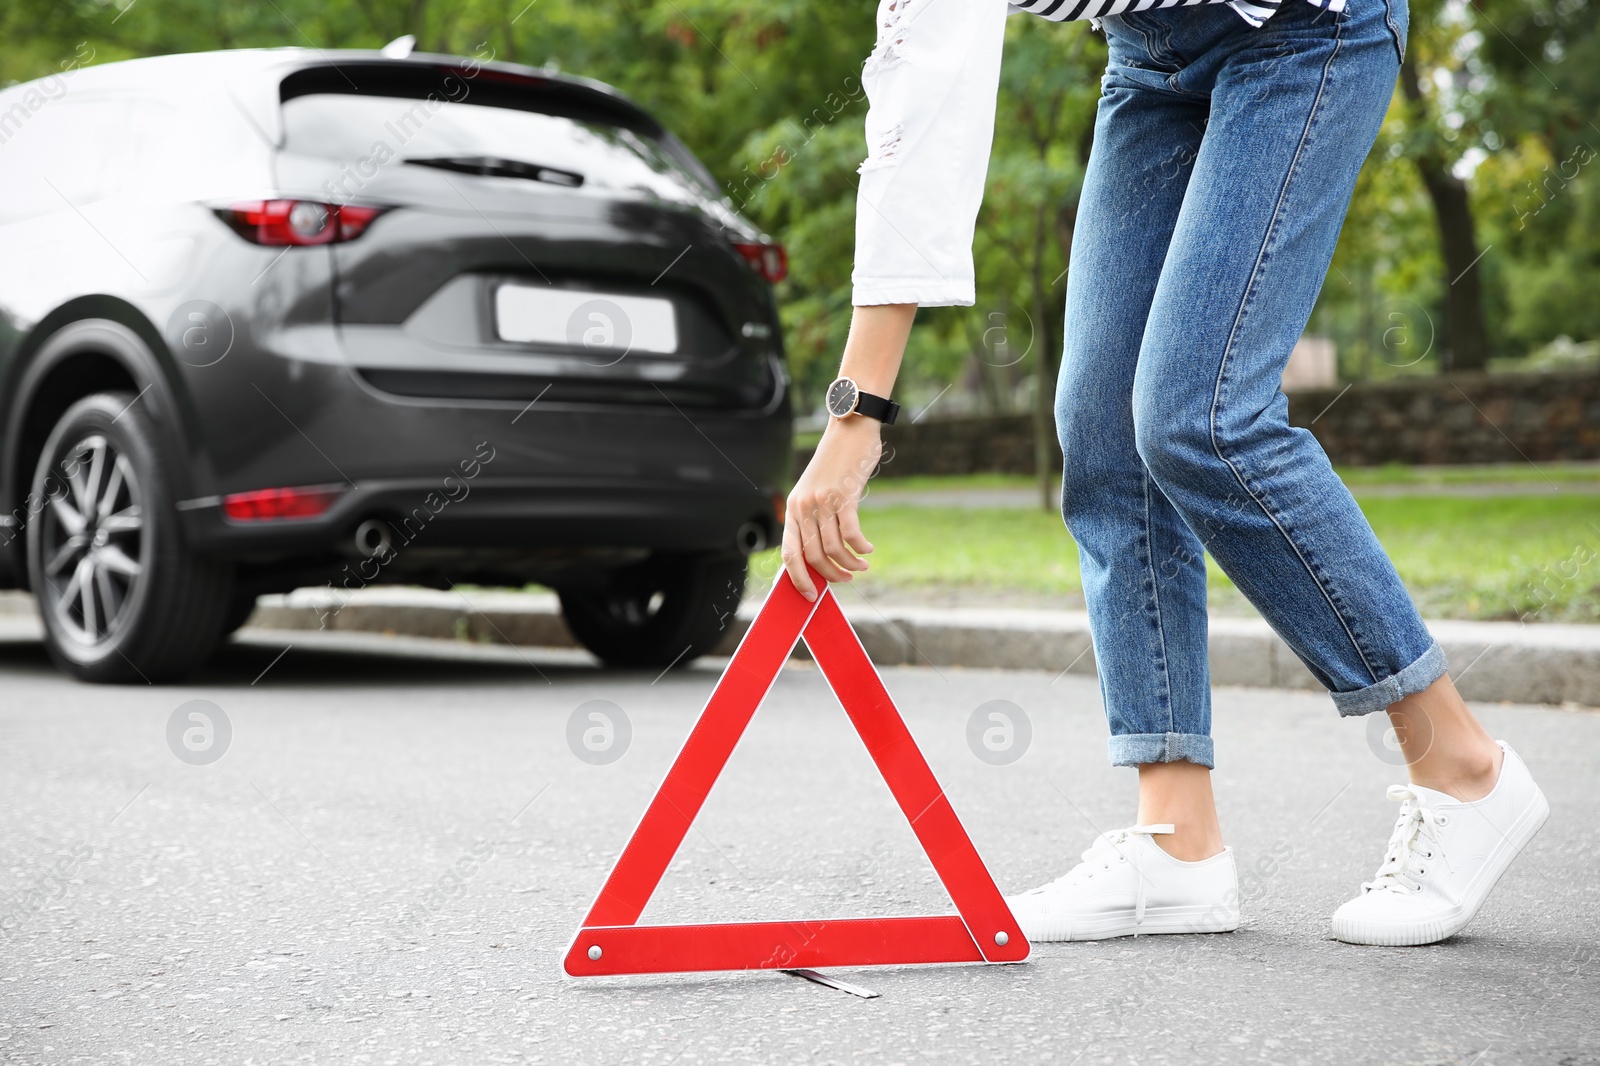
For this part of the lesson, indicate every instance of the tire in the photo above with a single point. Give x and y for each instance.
(240, 607)
(122, 597)
(664, 612)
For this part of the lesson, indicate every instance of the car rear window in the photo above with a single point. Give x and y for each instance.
(391, 129)
(64, 153)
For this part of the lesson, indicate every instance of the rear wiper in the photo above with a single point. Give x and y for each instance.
(490, 167)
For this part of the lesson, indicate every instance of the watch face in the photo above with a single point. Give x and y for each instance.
(842, 396)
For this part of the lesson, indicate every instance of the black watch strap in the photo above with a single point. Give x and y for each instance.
(879, 407)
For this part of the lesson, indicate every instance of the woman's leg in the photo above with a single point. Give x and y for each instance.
(1143, 569)
(1294, 111)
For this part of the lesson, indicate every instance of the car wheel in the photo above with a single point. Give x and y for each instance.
(122, 597)
(240, 607)
(664, 612)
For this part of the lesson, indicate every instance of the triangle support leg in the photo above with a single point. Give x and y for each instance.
(855, 681)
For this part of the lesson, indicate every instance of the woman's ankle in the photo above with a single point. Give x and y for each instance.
(1468, 774)
(1192, 846)
(1445, 746)
(1179, 794)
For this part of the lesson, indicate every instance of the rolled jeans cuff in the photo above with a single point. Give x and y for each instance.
(1429, 667)
(1136, 749)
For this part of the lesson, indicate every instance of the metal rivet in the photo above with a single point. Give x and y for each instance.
(1001, 938)
(594, 953)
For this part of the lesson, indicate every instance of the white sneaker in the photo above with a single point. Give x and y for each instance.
(1443, 859)
(1127, 885)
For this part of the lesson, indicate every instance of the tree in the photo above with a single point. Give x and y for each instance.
(1049, 87)
(1436, 149)
(1537, 190)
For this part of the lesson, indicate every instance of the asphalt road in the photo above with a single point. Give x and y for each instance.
(390, 857)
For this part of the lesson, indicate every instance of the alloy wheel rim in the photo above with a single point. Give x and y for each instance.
(636, 610)
(92, 540)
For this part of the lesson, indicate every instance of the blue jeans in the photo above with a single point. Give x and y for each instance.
(1223, 163)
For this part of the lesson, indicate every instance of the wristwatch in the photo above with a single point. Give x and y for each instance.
(844, 398)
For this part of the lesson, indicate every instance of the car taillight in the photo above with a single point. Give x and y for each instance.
(768, 260)
(267, 504)
(298, 222)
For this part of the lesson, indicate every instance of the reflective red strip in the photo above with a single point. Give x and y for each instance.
(266, 504)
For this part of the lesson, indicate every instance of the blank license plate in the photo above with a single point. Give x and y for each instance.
(598, 321)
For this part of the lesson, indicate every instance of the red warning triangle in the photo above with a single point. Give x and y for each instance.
(981, 930)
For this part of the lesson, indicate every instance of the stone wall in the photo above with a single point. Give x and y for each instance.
(1457, 418)
(1436, 420)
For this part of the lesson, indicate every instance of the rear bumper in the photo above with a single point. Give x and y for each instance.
(499, 513)
(463, 475)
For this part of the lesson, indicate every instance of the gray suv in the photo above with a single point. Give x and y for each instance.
(280, 318)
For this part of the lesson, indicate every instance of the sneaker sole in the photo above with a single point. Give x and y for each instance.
(1448, 924)
(1157, 920)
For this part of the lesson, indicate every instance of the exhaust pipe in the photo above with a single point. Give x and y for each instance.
(751, 537)
(372, 538)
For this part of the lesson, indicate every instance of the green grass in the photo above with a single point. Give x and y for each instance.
(1475, 558)
(956, 482)
(1507, 557)
(1496, 474)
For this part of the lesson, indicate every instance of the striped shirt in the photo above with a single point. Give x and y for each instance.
(1254, 12)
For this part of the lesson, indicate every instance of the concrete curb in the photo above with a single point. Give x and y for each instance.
(1490, 661)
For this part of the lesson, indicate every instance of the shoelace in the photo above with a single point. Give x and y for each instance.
(1413, 841)
(1106, 849)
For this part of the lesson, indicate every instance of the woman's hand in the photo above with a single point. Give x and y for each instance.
(821, 525)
